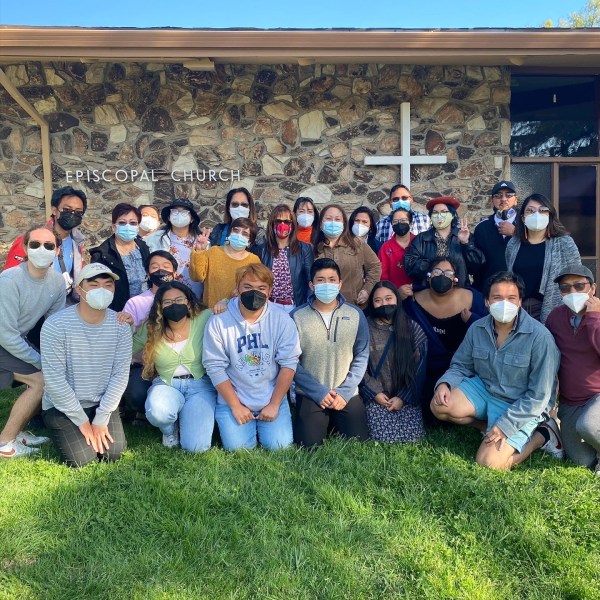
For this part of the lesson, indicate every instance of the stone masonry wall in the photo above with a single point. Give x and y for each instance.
(289, 130)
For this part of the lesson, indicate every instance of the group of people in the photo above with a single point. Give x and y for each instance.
(372, 328)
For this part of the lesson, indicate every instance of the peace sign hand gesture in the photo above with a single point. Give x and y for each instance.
(464, 234)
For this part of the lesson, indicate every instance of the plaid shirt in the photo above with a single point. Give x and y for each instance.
(421, 222)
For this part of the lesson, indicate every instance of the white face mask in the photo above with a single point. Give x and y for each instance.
(576, 301)
(504, 311)
(180, 219)
(149, 223)
(41, 258)
(305, 220)
(239, 212)
(536, 222)
(99, 298)
(359, 230)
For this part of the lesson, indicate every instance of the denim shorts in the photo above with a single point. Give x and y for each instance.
(489, 408)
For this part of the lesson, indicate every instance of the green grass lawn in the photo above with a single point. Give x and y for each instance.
(347, 521)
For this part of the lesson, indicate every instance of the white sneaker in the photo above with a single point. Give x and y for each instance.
(15, 449)
(30, 439)
(554, 445)
(171, 440)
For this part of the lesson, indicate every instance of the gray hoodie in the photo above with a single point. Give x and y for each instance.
(250, 355)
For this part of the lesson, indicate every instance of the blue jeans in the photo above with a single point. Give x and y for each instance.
(192, 402)
(271, 434)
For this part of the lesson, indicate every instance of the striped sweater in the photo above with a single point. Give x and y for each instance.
(84, 365)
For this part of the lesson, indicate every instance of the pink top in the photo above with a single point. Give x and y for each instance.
(139, 307)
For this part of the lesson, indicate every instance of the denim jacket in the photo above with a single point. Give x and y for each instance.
(522, 372)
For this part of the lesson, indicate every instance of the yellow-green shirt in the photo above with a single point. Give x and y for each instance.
(167, 359)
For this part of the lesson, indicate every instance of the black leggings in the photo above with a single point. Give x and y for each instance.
(313, 422)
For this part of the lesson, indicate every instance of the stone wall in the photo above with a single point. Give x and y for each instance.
(289, 130)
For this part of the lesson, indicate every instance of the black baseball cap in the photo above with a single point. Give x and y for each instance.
(504, 185)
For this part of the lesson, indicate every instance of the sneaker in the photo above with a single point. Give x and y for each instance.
(15, 449)
(171, 440)
(30, 439)
(554, 444)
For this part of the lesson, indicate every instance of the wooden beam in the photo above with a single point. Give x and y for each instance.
(44, 132)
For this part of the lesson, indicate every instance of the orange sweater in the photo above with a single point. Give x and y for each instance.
(217, 270)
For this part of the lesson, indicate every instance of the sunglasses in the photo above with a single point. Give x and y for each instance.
(282, 221)
(35, 245)
(578, 286)
(499, 196)
(71, 211)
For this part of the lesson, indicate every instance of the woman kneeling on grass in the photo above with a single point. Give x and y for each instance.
(181, 401)
(393, 383)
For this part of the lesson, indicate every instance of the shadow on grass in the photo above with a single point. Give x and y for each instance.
(349, 520)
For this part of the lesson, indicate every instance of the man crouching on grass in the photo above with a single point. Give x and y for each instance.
(501, 380)
(85, 360)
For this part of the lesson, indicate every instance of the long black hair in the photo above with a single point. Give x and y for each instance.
(369, 213)
(404, 353)
(555, 227)
(315, 226)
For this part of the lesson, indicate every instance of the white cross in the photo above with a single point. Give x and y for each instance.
(405, 160)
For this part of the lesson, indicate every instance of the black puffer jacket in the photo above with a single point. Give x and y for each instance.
(423, 249)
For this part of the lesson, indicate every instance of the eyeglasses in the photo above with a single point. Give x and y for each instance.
(180, 211)
(441, 212)
(236, 204)
(178, 300)
(396, 221)
(34, 245)
(405, 198)
(132, 222)
(282, 221)
(438, 272)
(501, 195)
(531, 210)
(71, 211)
(578, 286)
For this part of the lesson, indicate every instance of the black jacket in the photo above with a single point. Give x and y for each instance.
(423, 249)
(493, 245)
(107, 254)
(300, 265)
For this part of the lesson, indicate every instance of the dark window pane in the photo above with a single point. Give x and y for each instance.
(553, 116)
(577, 205)
(532, 178)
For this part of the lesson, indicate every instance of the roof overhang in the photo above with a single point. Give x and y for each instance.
(519, 47)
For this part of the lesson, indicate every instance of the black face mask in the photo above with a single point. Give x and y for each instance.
(69, 220)
(176, 312)
(440, 284)
(386, 312)
(253, 300)
(401, 229)
(159, 277)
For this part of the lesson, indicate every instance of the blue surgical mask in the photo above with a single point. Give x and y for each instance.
(237, 241)
(127, 232)
(333, 229)
(327, 292)
(405, 204)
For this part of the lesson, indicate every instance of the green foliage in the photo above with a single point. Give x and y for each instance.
(589, 16)
(361, 521)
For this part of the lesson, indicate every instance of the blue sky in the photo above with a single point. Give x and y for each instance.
(286, 13)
